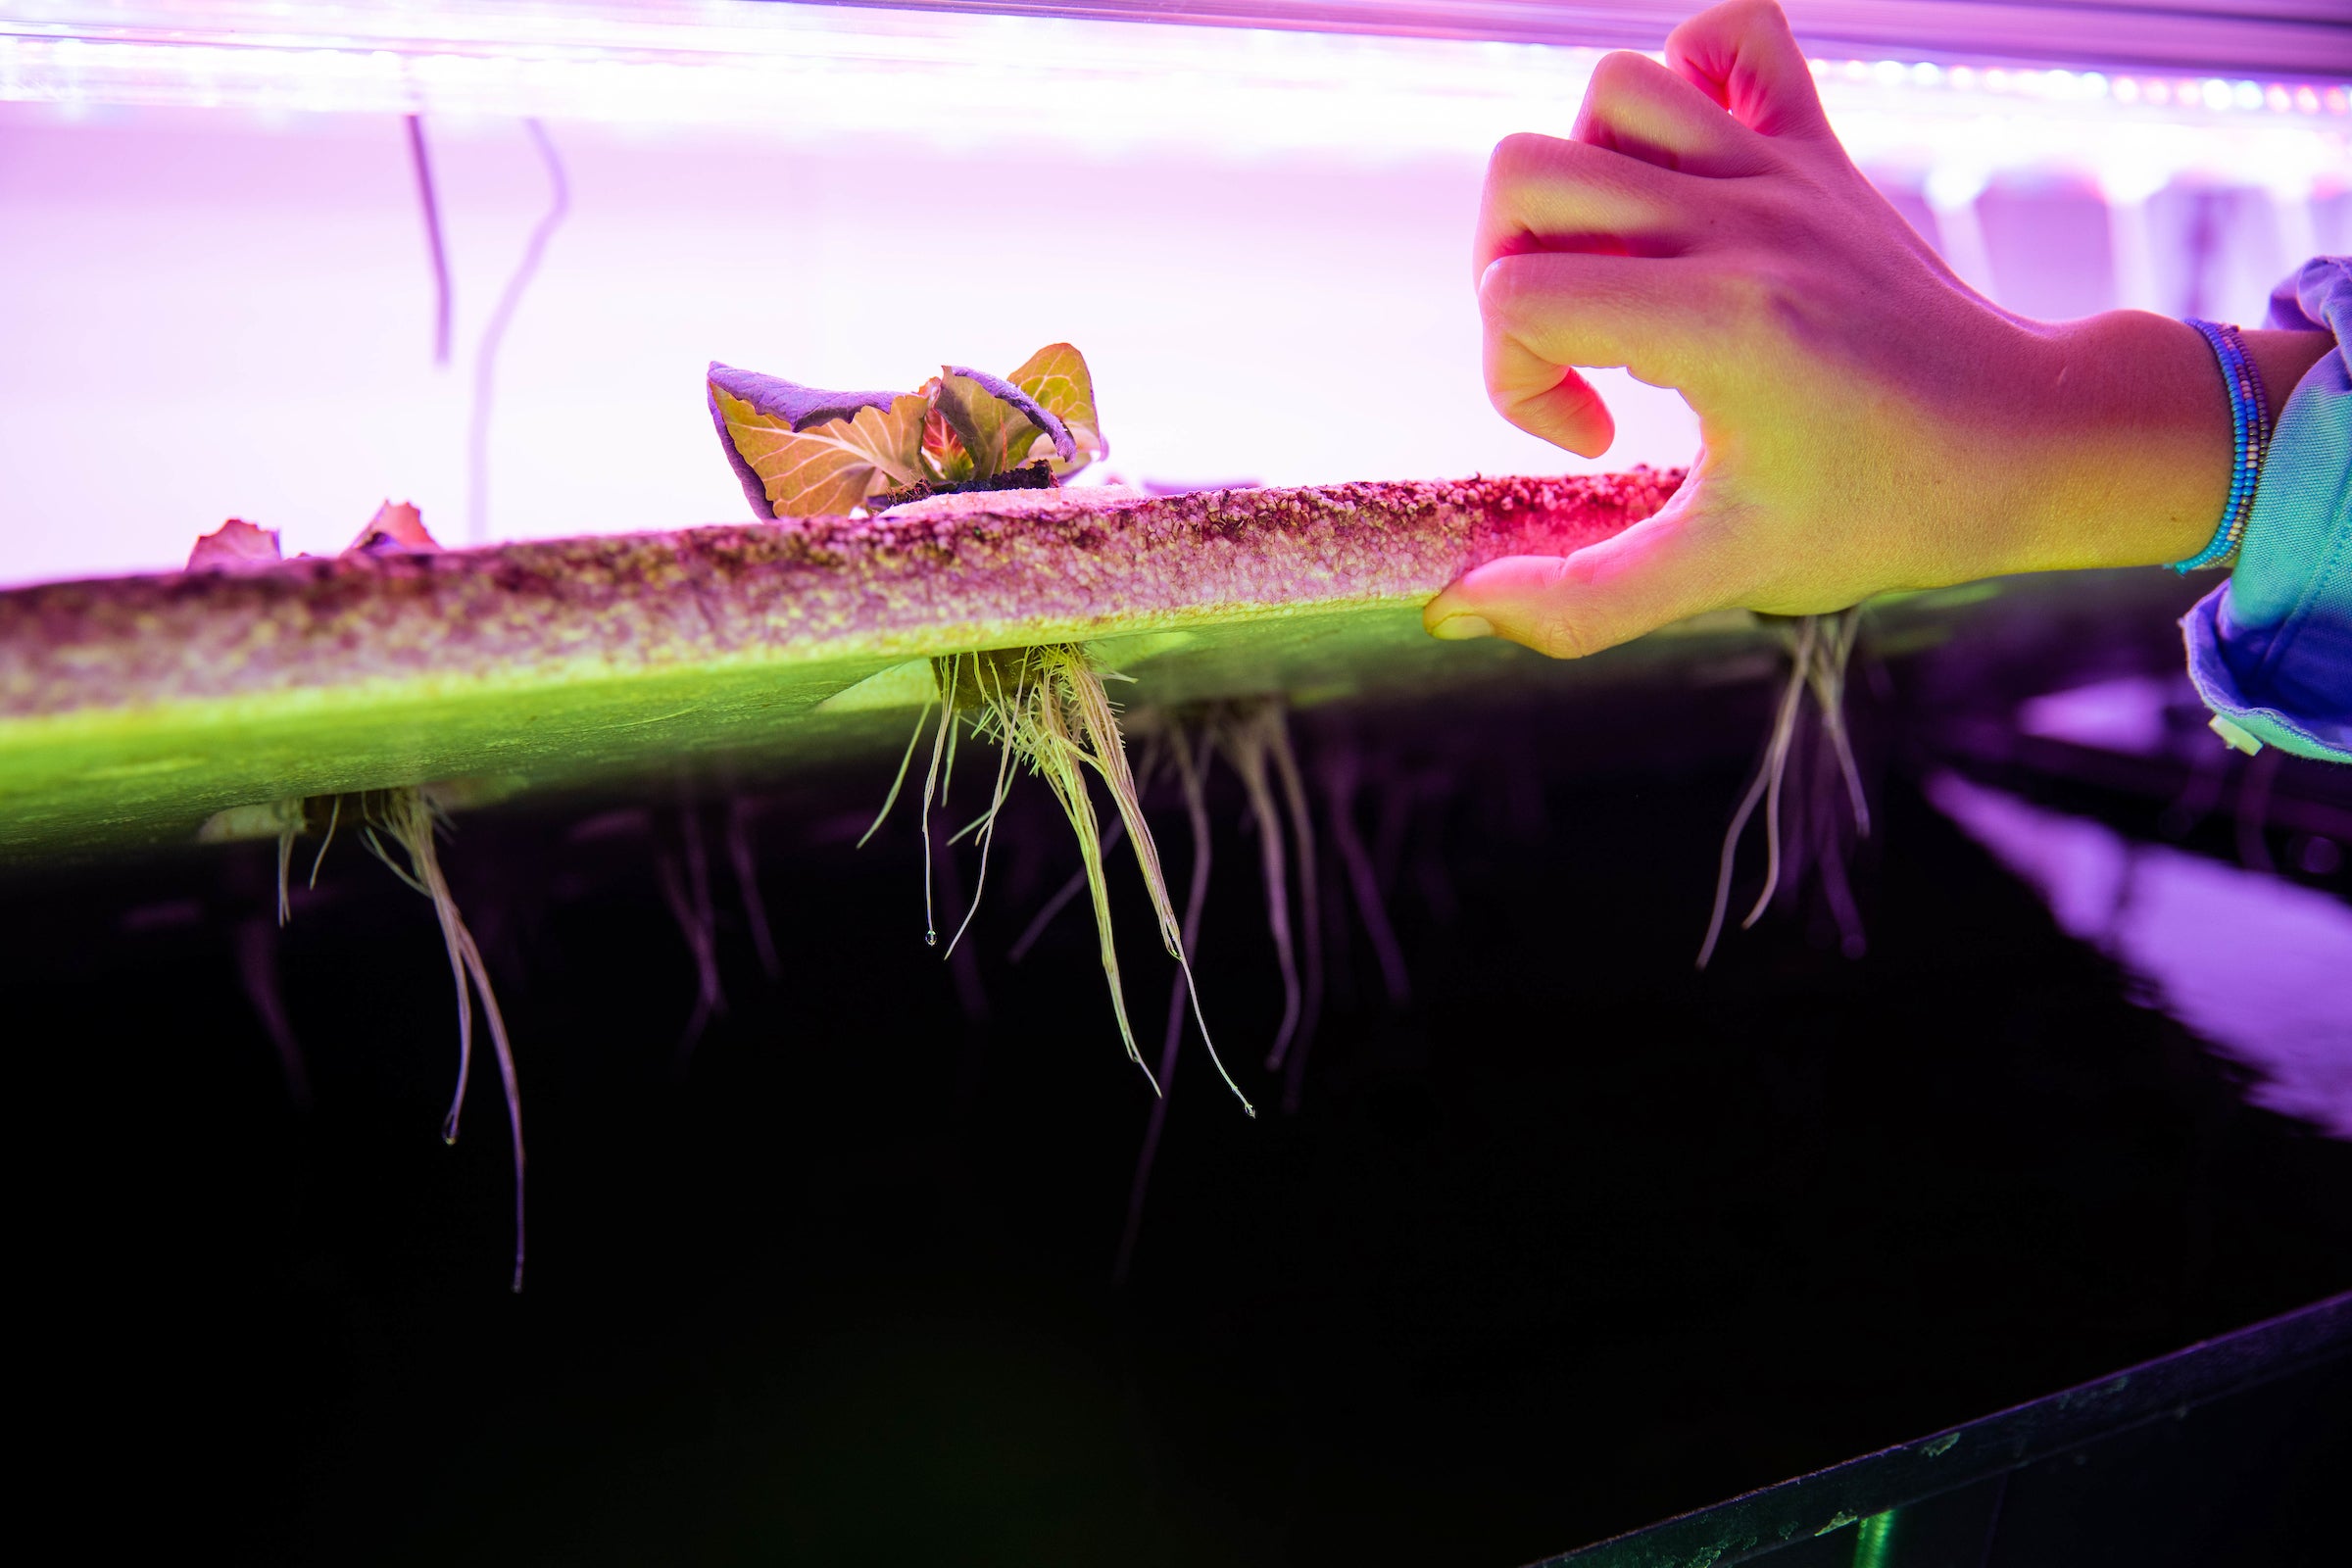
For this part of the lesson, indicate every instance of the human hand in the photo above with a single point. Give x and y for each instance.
(1866, 420)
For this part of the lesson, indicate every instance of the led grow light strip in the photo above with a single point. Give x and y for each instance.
(958, 79)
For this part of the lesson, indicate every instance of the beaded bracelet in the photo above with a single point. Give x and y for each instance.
(2249, 442)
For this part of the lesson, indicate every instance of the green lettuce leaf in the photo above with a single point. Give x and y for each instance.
(831, 467)
(1056, 377)
(983, 425)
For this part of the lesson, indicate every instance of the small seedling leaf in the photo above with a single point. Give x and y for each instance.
(397, 526)
(831, 467)
(946, 456)
(235, 543)
(985, 423)
(1055, 376)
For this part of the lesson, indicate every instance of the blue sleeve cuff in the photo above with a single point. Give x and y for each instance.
(2241, 715)
(2271, 650)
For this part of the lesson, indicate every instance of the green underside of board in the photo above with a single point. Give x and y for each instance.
(133, 779)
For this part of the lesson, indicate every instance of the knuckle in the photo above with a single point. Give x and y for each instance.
(1501, 290)
(1616, 73)
(1565, 636)
(1515, 152)
(1521, 163)
(1750, 296)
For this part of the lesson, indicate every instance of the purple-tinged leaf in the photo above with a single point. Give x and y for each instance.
(235, 543)
(830, 466)
(1055, 378)
(1022, 403)
(788, 403)
(947, 457)
(984, 423)
(397, 526)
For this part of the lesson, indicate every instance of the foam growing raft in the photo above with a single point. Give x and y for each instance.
(132, 710)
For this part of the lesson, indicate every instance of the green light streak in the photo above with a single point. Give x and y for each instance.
(1874, 1542)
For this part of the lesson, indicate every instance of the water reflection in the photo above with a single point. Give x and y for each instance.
(2134, 714)
(2258, 967)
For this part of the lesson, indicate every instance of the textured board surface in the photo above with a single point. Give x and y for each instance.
(132, 709)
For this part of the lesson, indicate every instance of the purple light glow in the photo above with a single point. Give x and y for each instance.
(2252, 965)
(211, 211)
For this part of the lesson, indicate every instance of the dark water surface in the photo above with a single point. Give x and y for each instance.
(1571, 1239)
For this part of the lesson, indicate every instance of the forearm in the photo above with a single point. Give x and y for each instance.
(2136, 463)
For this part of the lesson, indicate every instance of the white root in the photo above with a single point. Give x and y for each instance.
(1310, 906)
(1189, 769)
(891, 798)
(1248, 741)
(410, 821)
(1820, 653)
(987, 821)
(285, 858)
(939, 742)
(1058, 718)
(1107, 756)
(1829, 696)
(1783, 734)
(1113, 837)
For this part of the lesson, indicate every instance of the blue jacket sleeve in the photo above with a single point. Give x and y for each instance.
(2271, 650)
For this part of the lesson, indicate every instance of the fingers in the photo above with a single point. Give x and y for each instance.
(1650, 316)
(1641, 111)
(1742, 55)
(1542, 313)
(1603, 595)
(1544, 193)
(1547, 400)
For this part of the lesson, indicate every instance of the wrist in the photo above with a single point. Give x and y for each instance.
(2135, 469)
(2282, 357)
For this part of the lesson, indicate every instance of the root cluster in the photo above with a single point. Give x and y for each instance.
(1820, 646)
(407, 821)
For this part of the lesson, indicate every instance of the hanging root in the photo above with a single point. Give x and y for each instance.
(987, 821)
(1310, 906)
(747, 885)
(1833, 884)
(1783, 733)
(1112, 836)
(1822, 648)
(689, 900)
(408, 817)
(257, 967)
(1249, 734)
(1832, 657)
(896, 784)
(285, 859)
(1046, 708)
(1834, 652)
(1190, 766)
(938, 743)
(1767, 781)
(1342, 773)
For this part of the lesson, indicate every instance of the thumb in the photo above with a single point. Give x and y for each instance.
(1603, 595)
(1743, 55)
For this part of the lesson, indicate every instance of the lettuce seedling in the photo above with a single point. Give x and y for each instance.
(802, 452)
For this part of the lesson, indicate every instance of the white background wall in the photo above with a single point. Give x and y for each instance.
(206, 314)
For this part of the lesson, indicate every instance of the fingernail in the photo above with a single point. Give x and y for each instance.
(1460, 628)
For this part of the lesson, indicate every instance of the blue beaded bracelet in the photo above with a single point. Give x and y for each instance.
(2249, 441)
